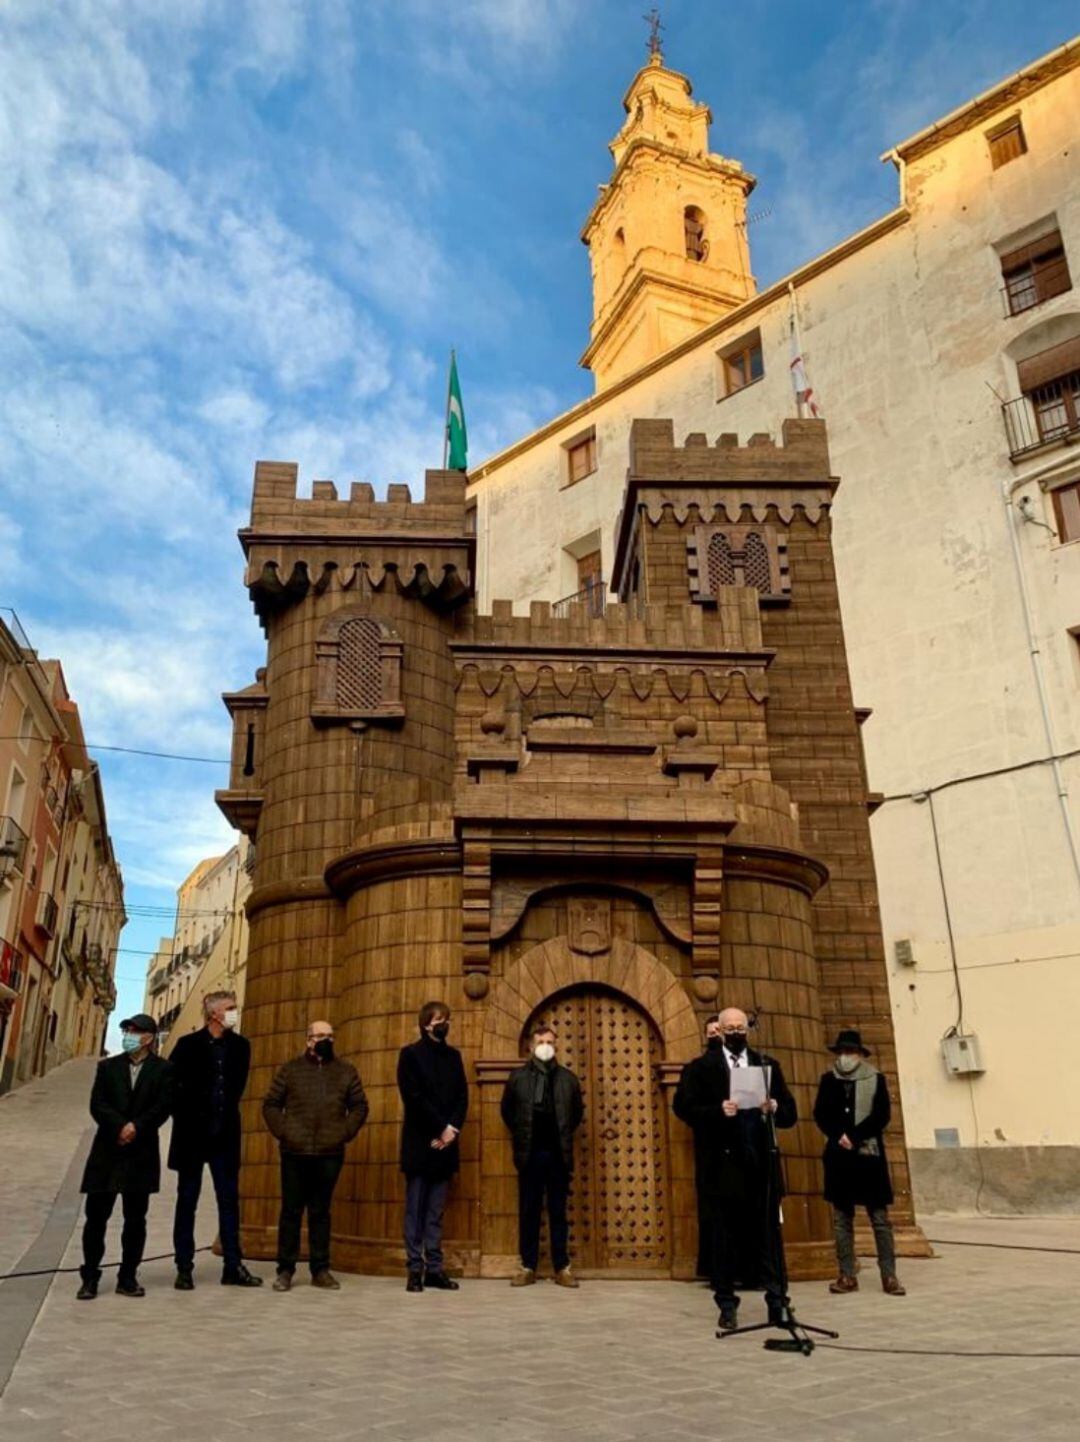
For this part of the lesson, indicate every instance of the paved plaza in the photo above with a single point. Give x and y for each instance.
(615, 1360)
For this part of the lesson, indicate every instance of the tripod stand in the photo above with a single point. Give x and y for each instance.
(798, 1338)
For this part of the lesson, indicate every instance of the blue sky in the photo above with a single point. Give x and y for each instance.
(254, 228)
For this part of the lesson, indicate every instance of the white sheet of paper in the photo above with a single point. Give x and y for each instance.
(748, 1087)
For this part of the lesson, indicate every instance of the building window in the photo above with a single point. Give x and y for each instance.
(741, 364)
(358, 675)
(755, 556)
(1006, 142)
(1067, 511)
(580, 457)
(1035, 272)
(1051, 383)
(697, 247)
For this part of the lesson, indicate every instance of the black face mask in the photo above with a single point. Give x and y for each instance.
(324, 1049)
(735, 1043)
(714, 1043)
(441, 1030)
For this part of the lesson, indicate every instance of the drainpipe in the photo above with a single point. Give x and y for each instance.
(1040, 683)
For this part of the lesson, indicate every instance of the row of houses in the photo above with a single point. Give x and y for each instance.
(61, 890)
(208, 948)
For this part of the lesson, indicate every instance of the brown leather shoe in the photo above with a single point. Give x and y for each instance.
(890, 1283)
(283, 1282)
(523, 1277)
(844, 1283)
(326, 1280)
(566, 1278)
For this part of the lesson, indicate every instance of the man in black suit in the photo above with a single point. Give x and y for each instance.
(435, 1092)
(131, 1099)
(741, 1174)
(210, 1071)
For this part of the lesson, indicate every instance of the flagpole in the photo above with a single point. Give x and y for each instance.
(798, 341)
(446, 418)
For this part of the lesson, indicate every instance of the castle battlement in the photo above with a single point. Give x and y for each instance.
(802, 458)
(276, 507)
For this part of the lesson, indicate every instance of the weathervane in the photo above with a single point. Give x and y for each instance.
(655, 27)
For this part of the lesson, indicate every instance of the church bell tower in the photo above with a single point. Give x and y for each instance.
(667, 235)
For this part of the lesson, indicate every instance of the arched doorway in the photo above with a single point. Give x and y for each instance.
(619, 1203)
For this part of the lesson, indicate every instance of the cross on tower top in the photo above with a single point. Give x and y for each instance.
(655, 27)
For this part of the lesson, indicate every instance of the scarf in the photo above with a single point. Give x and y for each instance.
(541, 1096)
(865, 1078)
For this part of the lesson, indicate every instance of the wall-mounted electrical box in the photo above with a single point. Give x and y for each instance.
(961, 1054)
(904, 952)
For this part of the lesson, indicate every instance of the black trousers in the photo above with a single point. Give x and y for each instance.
(307, 1184)
(544, 1174)
(746, 1243)
(225, 1174)
(99, 1207)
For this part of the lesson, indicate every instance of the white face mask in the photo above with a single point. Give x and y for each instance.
(230, 1018)
(847, 1063)
(544, 1051)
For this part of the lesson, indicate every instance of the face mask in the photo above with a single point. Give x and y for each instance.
(441, 1030)
(324, 1049)
(735, 1043)
(847, 1064)
(131, 1041)
(544, 1051)
(230, 1018)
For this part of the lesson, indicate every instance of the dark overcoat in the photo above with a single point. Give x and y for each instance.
(435, 1093)
(517, 1109)
(193, 1104)
(136, 1166)
(733, 1153)
(853, 1178)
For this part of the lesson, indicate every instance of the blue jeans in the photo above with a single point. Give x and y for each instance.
(226, 1177)
(425, 1202)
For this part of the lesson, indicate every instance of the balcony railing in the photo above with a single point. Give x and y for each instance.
(1042, 282)
(1039, 419)
(48, 914)
(593, 598)
(13, 841)
(10, 966)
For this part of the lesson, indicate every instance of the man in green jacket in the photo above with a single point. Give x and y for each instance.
(315, 1106)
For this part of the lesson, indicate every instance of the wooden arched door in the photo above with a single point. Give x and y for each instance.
(619, 1204)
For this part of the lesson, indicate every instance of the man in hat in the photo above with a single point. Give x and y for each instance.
(852, 1110)
(740, 1170)
(210, 1070)
(131, 1098)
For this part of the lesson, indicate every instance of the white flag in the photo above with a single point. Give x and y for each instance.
(804, 392)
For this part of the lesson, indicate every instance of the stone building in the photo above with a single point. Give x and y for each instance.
(943, 344)
(613, 821)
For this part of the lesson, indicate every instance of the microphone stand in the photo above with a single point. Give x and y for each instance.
(797, 1338)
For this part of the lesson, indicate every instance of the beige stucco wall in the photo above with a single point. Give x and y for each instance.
(906, 344)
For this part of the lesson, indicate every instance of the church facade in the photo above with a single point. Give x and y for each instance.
(614, 822)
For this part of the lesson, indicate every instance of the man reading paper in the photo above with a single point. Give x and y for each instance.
(734, 1144)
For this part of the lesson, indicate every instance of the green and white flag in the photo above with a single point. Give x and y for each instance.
(457, 440)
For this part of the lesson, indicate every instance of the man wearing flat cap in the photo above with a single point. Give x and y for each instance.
(853, 1110)
(131, 1099)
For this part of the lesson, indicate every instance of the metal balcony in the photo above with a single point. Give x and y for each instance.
(1031, 422)
(11, 960)
(13, 842)
(593, 598)
(48, 914)
(1041, 282)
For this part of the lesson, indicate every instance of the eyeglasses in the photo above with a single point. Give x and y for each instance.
(733, 1031)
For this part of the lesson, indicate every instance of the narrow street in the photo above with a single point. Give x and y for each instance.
(614, 1361)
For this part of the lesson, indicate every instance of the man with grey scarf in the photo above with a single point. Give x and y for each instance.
(853, 1110)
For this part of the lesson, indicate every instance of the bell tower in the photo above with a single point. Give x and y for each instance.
(667, 235)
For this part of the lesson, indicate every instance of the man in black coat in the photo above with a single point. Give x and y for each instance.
(852, 1110)
(210, 1070)
(131, 1098)
(704, 1257)
(435, 1093)
(542, 1107)
(741, 1173)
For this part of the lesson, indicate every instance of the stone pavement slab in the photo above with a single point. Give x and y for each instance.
(612, 1362)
